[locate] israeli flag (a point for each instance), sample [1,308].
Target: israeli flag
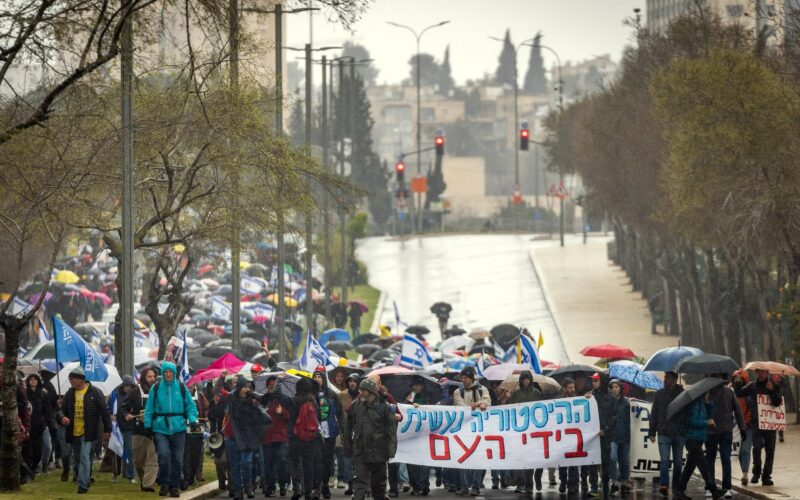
[115,442]
[44,335]
[479,366]
[259,309]
[141,340]
[527,355]
[414,353]
[19,307]
[220,309]
[397,320]
[184,361]
[315,354]
[250,286]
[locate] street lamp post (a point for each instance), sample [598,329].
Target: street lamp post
[419,119]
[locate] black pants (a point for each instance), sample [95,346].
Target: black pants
[569,476]
[369,476]
[695,458]
[419,476]
[221,464]
[192,457]
[763,440]
[32,450]
[393,480]
[305,466]
[525,478]
[328,454]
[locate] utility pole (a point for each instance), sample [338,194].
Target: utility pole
[236,281]
[327,197]
[124,335]
[279,132]
[345,106]
[308,216]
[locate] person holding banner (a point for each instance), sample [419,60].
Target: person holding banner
[330,416]
[669,431]
[621,445]
[569,475]
[763,439]
[606,410]
[419,475]
[527,392]
[475,396]
[370,437]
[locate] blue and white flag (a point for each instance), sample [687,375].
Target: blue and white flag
[259,309]
[250,286]
[527,354]
[44,335]
[220,309]
[315,354]
[19,307]
[397,321]
[70,347]
[479,366]
[141,340]
[115,442]
[414,353]
[184,361]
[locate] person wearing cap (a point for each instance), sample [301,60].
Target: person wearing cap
[419,475]
[621,442]
[762,439]
[82,413]
[346,398]
[476,397]
[330,418]
[126,421]
[370,437]
[169,407]
[670,437]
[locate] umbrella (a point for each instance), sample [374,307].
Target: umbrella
[503,370]
[383,353]
[455,343]
[442,308]
[334,335]
[691,393]
[548,385]
[399,386]
[632,372]
[453,331]
[390,370]
[35,297]
[418,330]
[479,334]
[706,364]
[44,350]
[361,305]
[141,356]
[572,370]
[367,349]
[339,346]
[61,382]
[221,343]
[773,368]
[666,359]
[105,299]
[290,302]
[205,338]
[216,351]
[66,277]
[505,334]
[365,338]
[211,283]
[611,351]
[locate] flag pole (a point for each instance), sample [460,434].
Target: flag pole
[55,346]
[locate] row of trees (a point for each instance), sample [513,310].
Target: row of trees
[692,152]
[207,157]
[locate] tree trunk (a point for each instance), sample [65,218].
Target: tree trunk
[716,304]
[10,450]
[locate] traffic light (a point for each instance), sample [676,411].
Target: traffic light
[524,136]
[439,143]
[400,170]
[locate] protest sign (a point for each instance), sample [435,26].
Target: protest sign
[560,432]
[770,418]
[644,454]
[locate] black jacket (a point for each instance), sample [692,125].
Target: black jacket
[95,413]
[727,412]
[249,421]
[607,410]
[41,414]
[128,404]
[659,423]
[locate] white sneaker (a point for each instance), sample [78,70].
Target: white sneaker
[728,494]
[708,494]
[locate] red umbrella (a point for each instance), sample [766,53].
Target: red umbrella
[611,351]
[360,305]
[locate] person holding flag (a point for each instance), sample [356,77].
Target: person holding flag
[122,426]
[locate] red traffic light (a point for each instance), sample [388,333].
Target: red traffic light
[439,140]
[400,167]
[524,133]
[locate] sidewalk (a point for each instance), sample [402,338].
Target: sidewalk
[593,303]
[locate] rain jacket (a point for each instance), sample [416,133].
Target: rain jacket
[622,420]
[606,409]
[525,394]
[249,421]
[659,423]
[95,413]
[329,408]
[370,431]
[697,417]
[172,400]
[41,416]
[476,393]
[726,409]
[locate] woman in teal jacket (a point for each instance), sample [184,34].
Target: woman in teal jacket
[697,422]
[169,407]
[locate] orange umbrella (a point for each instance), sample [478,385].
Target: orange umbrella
[773,367]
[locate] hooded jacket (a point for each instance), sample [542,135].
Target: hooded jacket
[41,415]
[622,419]
[370,433]
[329,408]
[606,409]
[249,420]
[523,394]
[697,415]
[167,403]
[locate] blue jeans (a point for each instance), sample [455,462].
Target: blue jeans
[169,448]
[344,466]
[723,442]
[471,478]
[128,468]
[241,464]
[82,455]
[276,463]
[620,461]
[667,445]
[745,451]
[66,448]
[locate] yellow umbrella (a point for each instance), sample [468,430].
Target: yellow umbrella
[299,373]
[243,264]
[66,277]
[179,248]
[290,302]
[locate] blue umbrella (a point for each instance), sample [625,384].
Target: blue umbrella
[665,360]
[632,372]
[334,334]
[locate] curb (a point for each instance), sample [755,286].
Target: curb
[209,490]
[772,495]
[551,307]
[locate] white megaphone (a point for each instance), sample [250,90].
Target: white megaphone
[215,440]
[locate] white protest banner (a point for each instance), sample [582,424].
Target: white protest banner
[560,432]
[770,418]
[644,454]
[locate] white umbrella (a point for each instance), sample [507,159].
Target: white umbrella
[456,343]
[111,383]
[141,355]
[503,370]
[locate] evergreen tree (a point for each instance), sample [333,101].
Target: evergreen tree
[446,84]
[535,79]
[367,72]
[507,62]
[430,72]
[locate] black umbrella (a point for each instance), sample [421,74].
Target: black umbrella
[215,352]
[221,343]
[383,353]
[418,330]
[365,338]
[339,346]
[706,364]
[399,386]
[453,331]
[505,334]
[572,370]
[367,349]
[691,393]
[442,308]
[205,338]
[196,331]
[397,346]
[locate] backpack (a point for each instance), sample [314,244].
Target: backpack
[478,389]
[156,413]
[306,426]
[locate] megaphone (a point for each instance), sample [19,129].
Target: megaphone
[215,440]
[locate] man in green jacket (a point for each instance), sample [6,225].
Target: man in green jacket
[370,437]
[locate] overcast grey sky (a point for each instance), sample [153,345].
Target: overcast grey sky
[576,29]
